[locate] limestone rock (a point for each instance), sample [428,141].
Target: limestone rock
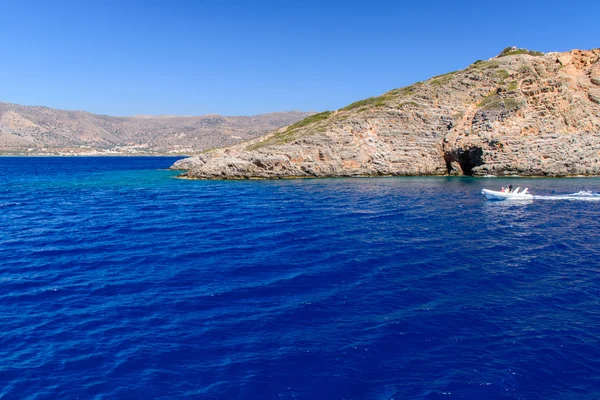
[521,113]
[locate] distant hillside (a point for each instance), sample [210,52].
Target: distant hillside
[43,130]
[520,113]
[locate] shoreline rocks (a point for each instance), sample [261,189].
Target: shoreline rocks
[521,113]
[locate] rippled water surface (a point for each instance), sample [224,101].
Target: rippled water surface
[118,281]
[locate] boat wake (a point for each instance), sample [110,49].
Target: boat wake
[579,196]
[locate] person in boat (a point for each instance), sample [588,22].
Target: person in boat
[503,189]
[510,188]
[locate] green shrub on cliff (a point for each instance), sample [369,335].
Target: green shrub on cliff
[525,70]
[495,101]
[377,101]
[511,51]
[310,120]
[512,86]
[480,65]
[408,104]
[502,74]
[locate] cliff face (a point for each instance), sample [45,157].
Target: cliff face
[521,113]
[46,130]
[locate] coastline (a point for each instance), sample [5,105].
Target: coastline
[279,178]
[97,155]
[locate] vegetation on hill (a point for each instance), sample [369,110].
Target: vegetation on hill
[511,51]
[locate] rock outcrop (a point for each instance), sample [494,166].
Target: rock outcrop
[520,113]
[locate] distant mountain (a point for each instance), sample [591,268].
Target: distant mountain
[43,130]
[519,113]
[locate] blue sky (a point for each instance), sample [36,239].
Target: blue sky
[249,57]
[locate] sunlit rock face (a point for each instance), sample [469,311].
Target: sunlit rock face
[520,113]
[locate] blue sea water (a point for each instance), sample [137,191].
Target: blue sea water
[118,281]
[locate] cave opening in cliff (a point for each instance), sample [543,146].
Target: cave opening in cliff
[470,159]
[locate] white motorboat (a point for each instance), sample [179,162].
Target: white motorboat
[516,194]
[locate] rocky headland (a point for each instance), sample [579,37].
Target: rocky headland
[43,130]
[520,113]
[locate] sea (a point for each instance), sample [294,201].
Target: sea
[119,281]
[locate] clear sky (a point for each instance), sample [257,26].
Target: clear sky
[246,57]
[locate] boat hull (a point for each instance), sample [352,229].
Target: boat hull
[500,196]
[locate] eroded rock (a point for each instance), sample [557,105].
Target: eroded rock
[519,114]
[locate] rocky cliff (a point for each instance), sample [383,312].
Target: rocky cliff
[35,130]
[520,113]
